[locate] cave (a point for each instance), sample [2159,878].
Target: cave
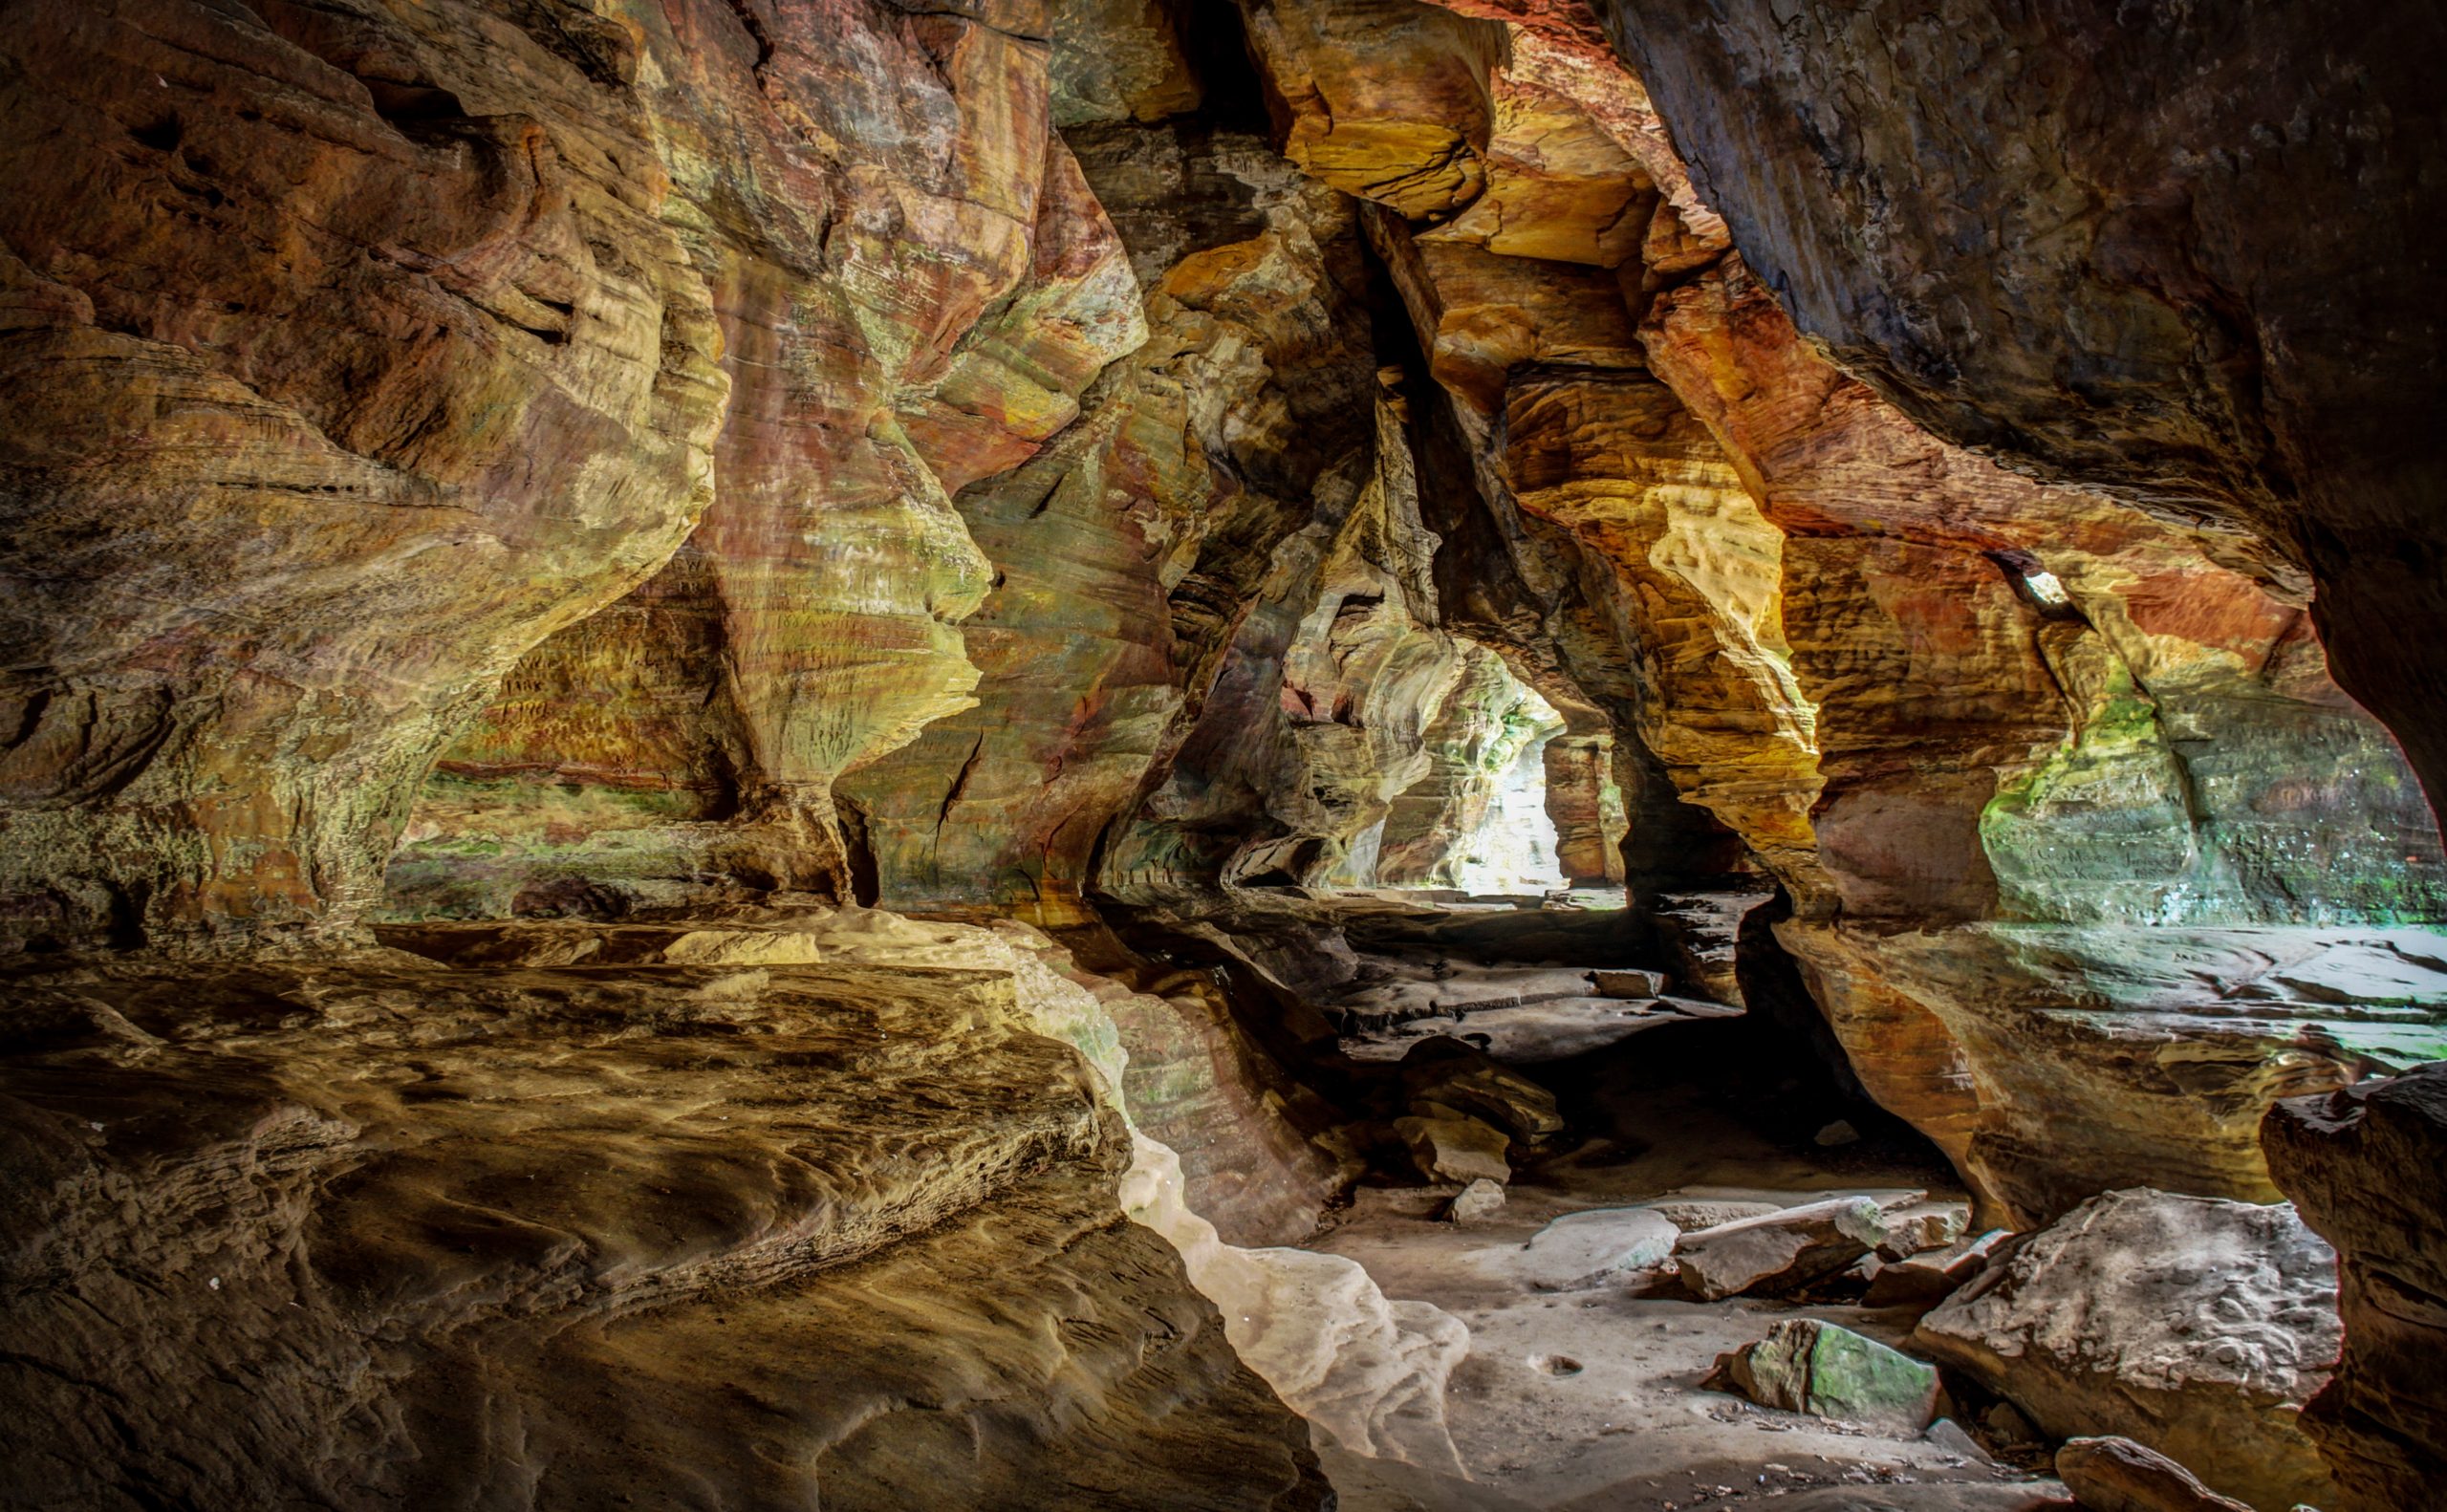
[1410,755]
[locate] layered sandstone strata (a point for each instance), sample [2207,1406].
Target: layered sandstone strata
[379,1228]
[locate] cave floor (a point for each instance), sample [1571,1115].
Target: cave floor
[1590,1399]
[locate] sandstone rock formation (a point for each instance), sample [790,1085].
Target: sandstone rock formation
[322,1231]
[2138,322]
[598,490]
[2358,1163]
[2195,1325]
[1779,1251]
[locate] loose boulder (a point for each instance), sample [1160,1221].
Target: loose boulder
[1922,1226]
[1925,1280]
[1478,1203]
[1505,1099]
[2195,1326]
[1807,1366]
[1780,1251]
[1448,1146]
[2117,1475]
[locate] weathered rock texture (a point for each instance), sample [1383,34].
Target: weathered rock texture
[1923,691]
[2083,274]
[2117,1475]
[351,352]
[320,1233]
[2361,1165]
[2193,1325]
[660,464]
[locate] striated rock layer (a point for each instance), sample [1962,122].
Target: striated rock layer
[1998,741]
[2084,276]
[377,1230]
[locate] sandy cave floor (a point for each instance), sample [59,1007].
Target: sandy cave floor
[1590,1400]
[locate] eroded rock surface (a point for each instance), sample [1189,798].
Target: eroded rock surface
[326,1228]
[2195,1325]
[2357,1163]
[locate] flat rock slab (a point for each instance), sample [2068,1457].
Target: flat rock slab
[1533,1034]
[1582,1250]
[2029,1496]
[1780,1251]
[1807,1365]
[2195,1326]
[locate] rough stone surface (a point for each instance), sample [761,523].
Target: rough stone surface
[315,1231]
[2117,1475]
[2084,276]
[2195,1325]
[1582,1250]
[1449,1146]
[1479,1202]
[2359,1165]
[1779,1251]
[1926,1279]
[1806,1366]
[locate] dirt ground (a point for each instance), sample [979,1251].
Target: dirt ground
[1589,1400]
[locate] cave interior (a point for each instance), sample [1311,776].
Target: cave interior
[1418,755]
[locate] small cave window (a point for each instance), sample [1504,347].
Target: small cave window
[1512,849]
[2034,582]
[1513,802]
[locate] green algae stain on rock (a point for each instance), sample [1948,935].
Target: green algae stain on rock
[1806,1366]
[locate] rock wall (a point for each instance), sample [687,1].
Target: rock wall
[2085,277]
[353,353]
[1993,736]
[2344,1157]
[663,462]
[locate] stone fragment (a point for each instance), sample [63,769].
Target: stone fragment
[1478,1203]
[1927,1279]
[1922,1226]
[1582,1250]
[1455,1148]
[1837,1133]
[2363,1166]
[1955,1439]
[2117,1475]
[1807,1365]
[1627,984]
[1780,1251]
[2194,1324]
